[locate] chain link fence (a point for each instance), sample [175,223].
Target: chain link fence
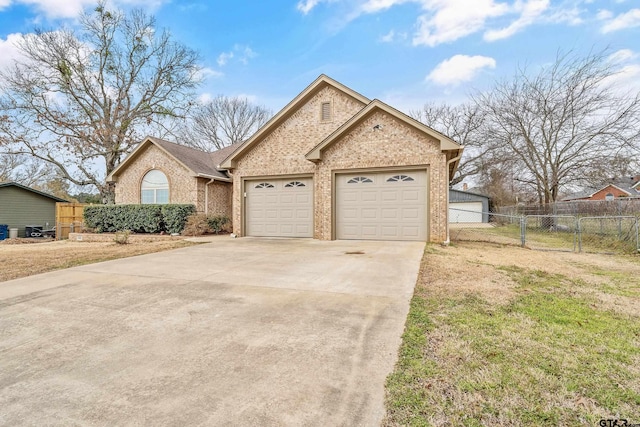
[494,228]
[608,234]
[570,233]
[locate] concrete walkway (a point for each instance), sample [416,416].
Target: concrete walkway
[232,332]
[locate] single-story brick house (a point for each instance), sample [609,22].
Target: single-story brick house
[625,187]
[159,171]
[332,164]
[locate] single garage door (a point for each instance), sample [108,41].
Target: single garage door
[279,207]
[382,206]
[467,212]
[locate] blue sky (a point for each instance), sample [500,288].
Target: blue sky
[404,52]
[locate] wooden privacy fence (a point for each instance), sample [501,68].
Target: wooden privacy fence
[69,219]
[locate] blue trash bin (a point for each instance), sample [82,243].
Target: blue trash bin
[4,231]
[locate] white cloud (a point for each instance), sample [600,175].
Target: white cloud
[449,20]
[206,73]
[9,50]
[246,53]
[624,20]
[459,68]
[65,9]
[626,77]
[305,6]
[529,13]
[59,8]
[621,56]
[388,38]
[223,58]
[604,14]
[204,98]
[373,6]
[570,16]
[251,98]
[242,53]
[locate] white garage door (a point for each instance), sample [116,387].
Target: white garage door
[382,206]
[279,207]
[465,212]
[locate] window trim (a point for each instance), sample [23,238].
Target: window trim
[360,180]
[264,185]
[400,178]
[155,190]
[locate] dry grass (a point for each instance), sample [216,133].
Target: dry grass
[499,335]
[21,260]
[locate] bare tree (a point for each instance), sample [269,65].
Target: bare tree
[557,124]
[80,100]
[620,166]
[221,122]
[25,170]
[464,124]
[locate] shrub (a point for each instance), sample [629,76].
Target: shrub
[217,223]
[199,224]
[196,225]
[122,237]
[137,218]
[175,217]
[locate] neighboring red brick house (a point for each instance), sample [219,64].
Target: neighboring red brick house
[618,188]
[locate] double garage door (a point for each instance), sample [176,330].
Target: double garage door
[370,206]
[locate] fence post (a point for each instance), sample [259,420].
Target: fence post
[580,235]
[523,231]
[637,241]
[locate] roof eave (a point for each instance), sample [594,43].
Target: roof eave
[215,178]
[112,177]
[33,190]
[145,142]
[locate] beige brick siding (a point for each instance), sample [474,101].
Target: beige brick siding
[282,151]
[395,145]
[220,199]
[183,186]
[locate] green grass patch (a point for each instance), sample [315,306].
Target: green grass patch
[550,356]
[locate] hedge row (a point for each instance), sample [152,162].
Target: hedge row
[137,218]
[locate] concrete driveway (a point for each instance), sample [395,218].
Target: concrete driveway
[234,332]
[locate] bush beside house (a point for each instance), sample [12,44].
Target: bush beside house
[138,218]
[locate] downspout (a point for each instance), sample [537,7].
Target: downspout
[206,196]
[455,159]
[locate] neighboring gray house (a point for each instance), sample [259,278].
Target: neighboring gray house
[21,206]
[468,207]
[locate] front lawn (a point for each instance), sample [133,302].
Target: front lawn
[498,335]
[21,260]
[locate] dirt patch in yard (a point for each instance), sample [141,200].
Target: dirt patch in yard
[473,270]
[21,260]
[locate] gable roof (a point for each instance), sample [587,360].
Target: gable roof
[198,162]
[321,82]
[626,185]
[33,190]
[447,144]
